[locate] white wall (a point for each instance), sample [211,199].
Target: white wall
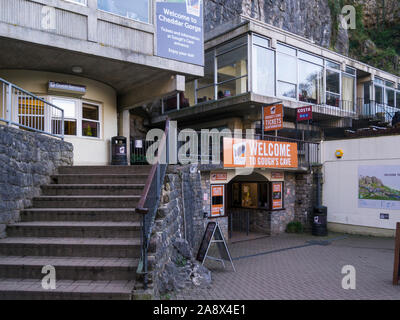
[340,187]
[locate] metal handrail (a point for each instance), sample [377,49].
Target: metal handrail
[49,121]
[149,201]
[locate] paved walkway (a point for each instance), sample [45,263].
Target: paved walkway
[291,267]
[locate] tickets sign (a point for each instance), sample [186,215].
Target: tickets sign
[273,117]
[247,153]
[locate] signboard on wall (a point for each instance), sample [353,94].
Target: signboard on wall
[217,200]
[247,153]
[219,176]
[379,187]
[304,113]
[277,195]
[180,30]
[273,117]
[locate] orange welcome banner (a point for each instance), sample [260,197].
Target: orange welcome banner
[259,154]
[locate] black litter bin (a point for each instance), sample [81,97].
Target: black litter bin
[320,221]
[119,153]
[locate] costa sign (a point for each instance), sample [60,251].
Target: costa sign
[304,113]
[259,154]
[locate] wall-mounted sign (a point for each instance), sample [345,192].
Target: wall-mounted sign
[219,176]
[273,117]
[277,195]
[248,153]
[180,30]
[379,187]
[277,175]
[66,88]
[304,113]
[217,200]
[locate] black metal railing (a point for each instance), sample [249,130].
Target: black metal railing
[150,200]
[370,109]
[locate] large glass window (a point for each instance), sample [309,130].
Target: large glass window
[263,70]
[348,83]
[132,9]
[390,97]
[205,85]
[310,82]
[232,72]
[378,94]
[398,99]
[90,120]
[287,75]
[70,115]
[286,90]
[333,88]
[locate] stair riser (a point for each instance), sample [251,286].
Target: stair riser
[69,273]
[100,179]
[86,203]
[73,232]
[53,191]
[79,216]
[58,250]
[105,170]
[49,295]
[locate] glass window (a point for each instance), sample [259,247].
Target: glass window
[333,99]
[350,70]
[285,49]
[261,42]
[310,82]
[132,9]
[70,115]
[389,84]
[348,92]
[378,94]
[398,100]
[311,58]
[232,44]
[287,68]
[205,85]
[379,81]
[249,195]
[390,97]
[286,90]
[78,1]
[263,71]
[232,72]
[332,65]
[332,81]
[90,120]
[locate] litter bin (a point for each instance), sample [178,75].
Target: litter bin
[320,221]
[119,151]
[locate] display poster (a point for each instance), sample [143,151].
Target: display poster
[277,195]
[379,187]
[217,200]
[273,117]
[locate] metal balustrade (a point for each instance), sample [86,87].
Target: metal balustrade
[23,109]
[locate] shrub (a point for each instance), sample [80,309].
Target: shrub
[294,227]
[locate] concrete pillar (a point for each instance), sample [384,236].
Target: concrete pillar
[124,124]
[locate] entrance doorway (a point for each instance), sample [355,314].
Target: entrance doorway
[249,203]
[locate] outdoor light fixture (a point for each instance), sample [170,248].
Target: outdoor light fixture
[77,69]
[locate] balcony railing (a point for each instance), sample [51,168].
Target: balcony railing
[25,110]
[370,109]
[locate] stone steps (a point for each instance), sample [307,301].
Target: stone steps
[31,289]
[86,201]
[86,226]
[100,178]
[71,247]
[68,229]
[93,189]
[79,214]
[71,268]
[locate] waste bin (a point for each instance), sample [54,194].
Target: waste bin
[119,151]
[320,221]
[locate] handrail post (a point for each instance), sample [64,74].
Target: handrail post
[62,125]
[9,104]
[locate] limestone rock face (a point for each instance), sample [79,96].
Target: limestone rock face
[307,18]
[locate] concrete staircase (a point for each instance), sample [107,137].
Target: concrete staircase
[85,225]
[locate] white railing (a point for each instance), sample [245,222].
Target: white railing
[23,109]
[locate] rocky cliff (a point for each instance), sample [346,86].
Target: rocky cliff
[375,40]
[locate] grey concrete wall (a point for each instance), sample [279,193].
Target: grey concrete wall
[27,160]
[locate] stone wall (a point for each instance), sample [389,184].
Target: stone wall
[27,160]
[178,230]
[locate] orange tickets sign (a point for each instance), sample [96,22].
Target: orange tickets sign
[248,153]
[273,117]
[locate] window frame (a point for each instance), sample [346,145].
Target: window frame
[79,116]
[78,3]
[150,13]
